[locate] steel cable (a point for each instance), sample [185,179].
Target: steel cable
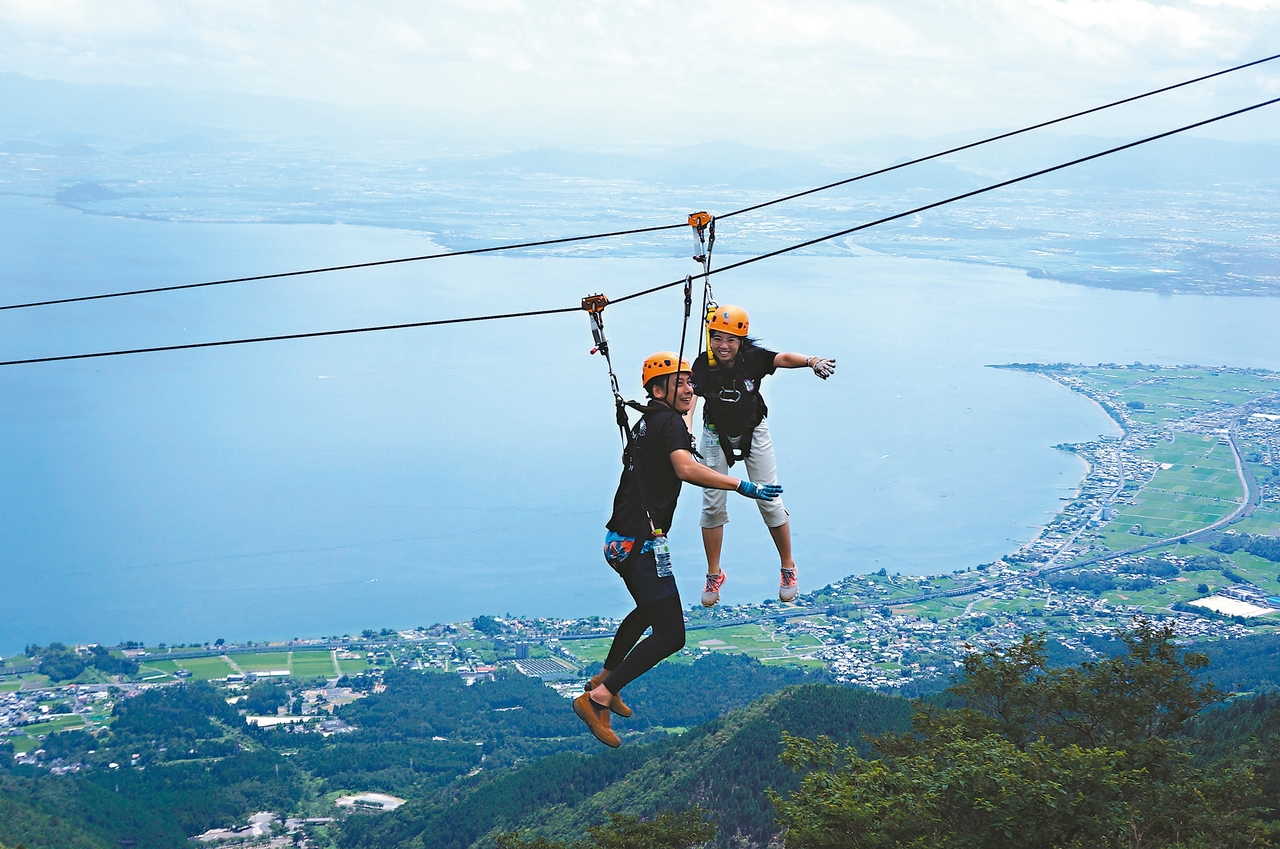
[997,138]
[187,346]
[659,288]
[636,231]
[349,267]
[953,199]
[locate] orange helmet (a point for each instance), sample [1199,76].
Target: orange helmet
[727,318]
[663,362]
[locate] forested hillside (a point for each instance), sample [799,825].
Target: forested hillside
[1133,751]
[428,736]
[1137,732]
[726,766]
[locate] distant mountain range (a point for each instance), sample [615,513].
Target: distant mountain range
[1181,214]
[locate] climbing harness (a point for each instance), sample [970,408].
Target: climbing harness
[723,387]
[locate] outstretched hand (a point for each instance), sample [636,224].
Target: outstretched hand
[823,367]
[760,492]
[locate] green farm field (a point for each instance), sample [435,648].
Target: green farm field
[1194,389]
[801,662]
[1167,396]
[206,668]
[263,661]
[940,608]
[157,671]
[23,743]
[311,664]
[1196,486]
[589,651]
[1265,520]
[1160,599]
[52,726]
[352,665]
[762,642]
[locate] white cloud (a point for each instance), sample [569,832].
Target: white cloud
[757,70]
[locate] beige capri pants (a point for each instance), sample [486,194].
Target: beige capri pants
[761,468]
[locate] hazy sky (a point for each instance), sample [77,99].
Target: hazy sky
[789,74]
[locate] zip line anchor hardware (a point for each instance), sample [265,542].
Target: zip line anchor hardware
[700,221]
[594,306]
[704,230]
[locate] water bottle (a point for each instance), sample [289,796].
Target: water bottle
[662,555]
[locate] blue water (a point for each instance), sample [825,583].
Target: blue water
[399,479]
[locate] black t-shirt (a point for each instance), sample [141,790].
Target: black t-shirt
[654,437]
[733,402]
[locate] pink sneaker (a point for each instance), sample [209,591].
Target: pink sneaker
[711,592]
[788,587]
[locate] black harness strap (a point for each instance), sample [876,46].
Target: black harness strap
[722,390]
[594,305]
[731,454]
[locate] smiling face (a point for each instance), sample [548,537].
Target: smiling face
[725,346]
[682,401]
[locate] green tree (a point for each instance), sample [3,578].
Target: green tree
[487,625]
[60,663]
[669,830]
[265,696]
[110,664]
[1088,756]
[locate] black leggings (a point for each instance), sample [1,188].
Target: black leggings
[627,661]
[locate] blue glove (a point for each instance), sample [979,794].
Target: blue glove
[765,492]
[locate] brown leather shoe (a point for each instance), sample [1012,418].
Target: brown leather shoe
[615,704]
[597,719]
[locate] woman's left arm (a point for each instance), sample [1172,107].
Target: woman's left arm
[688,417]
[823,367]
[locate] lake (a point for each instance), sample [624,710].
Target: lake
[397,479]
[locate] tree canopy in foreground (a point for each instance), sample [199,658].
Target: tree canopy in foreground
[1089,756]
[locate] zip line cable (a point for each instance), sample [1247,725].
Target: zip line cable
[659,288]
[286,336]
[654,229]
[955,198]
[999,137]
[349,267]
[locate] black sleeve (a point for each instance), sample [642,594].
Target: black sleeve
[670,434]
[761,362]
[699,376]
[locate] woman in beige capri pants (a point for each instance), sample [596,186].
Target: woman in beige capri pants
[728,379]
